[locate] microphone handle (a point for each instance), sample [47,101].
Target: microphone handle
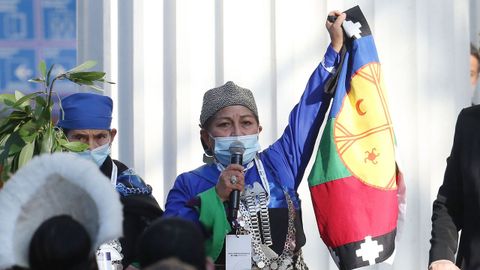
[235,194]
[234,204]
[236,159]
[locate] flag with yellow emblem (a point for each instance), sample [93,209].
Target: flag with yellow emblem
[354,181]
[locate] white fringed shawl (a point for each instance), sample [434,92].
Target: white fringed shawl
[51,185]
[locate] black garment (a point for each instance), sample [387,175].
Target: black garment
[138,212]
[457,206]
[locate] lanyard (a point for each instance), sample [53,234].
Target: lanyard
[263,177]
[113,176]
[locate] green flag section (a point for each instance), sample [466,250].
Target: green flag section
[354,180]
[331,168]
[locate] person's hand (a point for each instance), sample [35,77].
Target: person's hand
[443,265]
[335,30]
[226,181]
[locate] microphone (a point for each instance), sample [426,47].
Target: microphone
[236,150]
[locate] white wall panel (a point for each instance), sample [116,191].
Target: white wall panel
[195,54]
[248,54]
[474,22]
[271,46]
[154,97]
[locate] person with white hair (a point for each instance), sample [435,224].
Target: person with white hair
[55,212]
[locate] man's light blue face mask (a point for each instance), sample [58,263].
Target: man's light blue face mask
[222,148]
[97,155]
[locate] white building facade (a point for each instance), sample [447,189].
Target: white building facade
[165,54]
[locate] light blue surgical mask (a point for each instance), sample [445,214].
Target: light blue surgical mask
[222,145]
[97,155]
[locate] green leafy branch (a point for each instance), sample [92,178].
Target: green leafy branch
[28,130]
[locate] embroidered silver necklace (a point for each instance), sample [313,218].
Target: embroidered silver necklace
[255,200]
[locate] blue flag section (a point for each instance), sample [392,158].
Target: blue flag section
[354,180]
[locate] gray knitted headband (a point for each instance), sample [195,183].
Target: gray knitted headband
[223,96]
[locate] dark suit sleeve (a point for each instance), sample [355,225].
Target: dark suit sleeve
[448,207]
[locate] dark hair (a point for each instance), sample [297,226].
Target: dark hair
[61,243]
[474,52]
[170,264]
[65,131]
[172,238]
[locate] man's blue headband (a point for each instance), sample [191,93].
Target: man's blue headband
[86,111]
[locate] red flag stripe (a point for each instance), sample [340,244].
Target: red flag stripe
[371,211]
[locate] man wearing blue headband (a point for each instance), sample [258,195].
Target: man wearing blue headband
[87,118]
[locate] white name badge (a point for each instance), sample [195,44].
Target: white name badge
[238,252]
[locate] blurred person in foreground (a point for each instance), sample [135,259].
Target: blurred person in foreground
[56,211]
[457,206]
[173,238]
[63,243]
[170,264]
[474,71]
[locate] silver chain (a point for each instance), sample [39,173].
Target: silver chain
[263,257]
[265,219]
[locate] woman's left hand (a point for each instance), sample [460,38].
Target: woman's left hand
[225,183]
[335,29]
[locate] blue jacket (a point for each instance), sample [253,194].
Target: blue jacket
[285,160]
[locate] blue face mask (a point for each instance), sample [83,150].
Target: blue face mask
[97,155]
[222,145]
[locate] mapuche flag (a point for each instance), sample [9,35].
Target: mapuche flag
[354,180]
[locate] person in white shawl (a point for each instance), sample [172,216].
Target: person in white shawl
[56,186]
